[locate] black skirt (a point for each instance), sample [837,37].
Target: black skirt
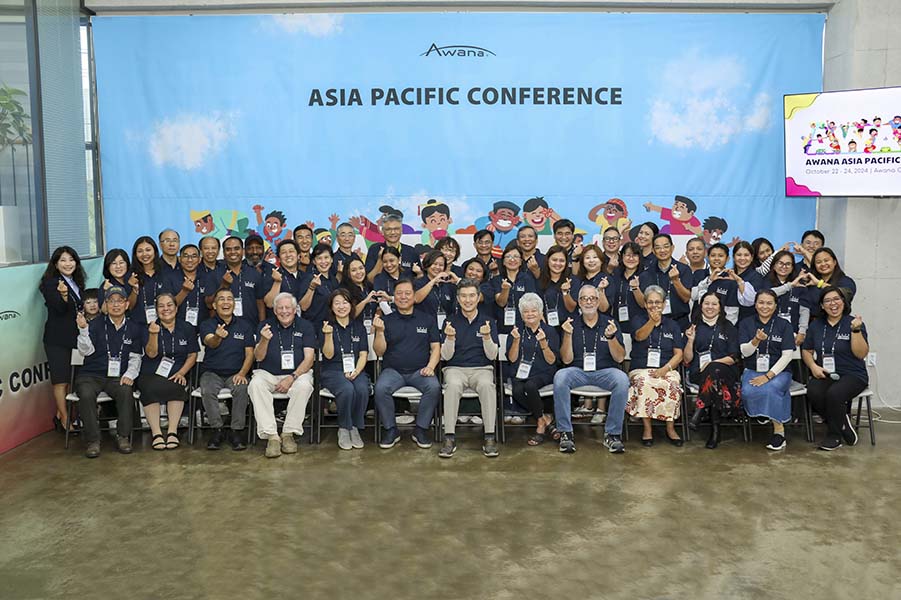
[159,390]
[60,360]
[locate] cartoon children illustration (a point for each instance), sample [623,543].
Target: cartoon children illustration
[538,214]
[896,123]
[371,232]
[435,219]
[273,228]
[502,220]
[714,228]
[322,235]
[221,223]
[682,219]
[612,213]
[870,145]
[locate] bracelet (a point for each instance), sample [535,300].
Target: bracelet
[820,283]
[610,337]
[855,330]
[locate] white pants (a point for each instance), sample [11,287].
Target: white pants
[260,389]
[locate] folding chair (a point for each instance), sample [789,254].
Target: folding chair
[505,387]
[76,361]
[414,396]
[866,396]
[196,404]
[321,394]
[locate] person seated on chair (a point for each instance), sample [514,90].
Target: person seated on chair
[345,350]
[593,345]
[767,343]
[656,388]
[409,343]
[112,349]
[834,350]
[170,351]
[672,277]
[711,355]
[469,350]
[285,352]
[532,355]
[226,364]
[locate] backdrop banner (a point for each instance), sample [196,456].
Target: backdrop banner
[229,125]
[26,400]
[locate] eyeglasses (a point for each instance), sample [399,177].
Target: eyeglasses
[169,241]
[612,239]
[654,302]
[664,247]
[832,300]
[115,301]
[588,298]
[191,256]
[785,264]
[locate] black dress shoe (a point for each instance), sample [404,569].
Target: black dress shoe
[647,443]
[677,442]
[714,439]
[237,440]
[216,441]
[696,419]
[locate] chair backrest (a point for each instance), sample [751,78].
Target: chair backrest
[77,359]
[502,347]
[201,353]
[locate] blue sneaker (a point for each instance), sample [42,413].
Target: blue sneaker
[390,437]
[422,438]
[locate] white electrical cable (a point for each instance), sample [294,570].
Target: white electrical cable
[875,387]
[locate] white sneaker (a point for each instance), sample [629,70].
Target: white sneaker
[405,419]
[599,418]
[344,439]
[463,419]
[355,439]
[517,420]
[508,419]
[475,420]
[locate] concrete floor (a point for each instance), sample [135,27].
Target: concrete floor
[738,522]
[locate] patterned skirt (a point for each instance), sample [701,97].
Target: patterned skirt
[719,388]
[654,397]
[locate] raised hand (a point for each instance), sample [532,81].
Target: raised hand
[333,219]
[760,336]
[506,285]
[378,324]
[133,280]
[856,322]
[690,333]
[567,326]
[81,321]
[566,286]
[417,270]
[449,330]
[656,315]
[316,282]
[327,328]
[514,333]
[227,279]
[603,283]
[277,276]
[266,332]
[673,272]
[153,328]
[647,206]
[541,335]
[221,331]
[62,289]
[633,283]
[485,330]
[610,330]
[107,284]
[188,284]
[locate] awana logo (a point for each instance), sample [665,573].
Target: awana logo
[6,315]
[461,51]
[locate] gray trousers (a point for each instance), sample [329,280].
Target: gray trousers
[87,387]
[210,384]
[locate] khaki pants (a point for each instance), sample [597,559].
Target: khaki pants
[477,379]
[261,387]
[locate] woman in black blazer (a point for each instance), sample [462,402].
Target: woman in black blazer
[62,286]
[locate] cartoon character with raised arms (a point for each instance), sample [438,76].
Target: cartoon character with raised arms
[273,228]
[682,219]
[435,219]
[221,223]
[538,214]
[612,213]
[714,228]
[503,221]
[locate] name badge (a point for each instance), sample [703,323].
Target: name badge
[348,363]
[589,363]
[150,311]
[191,316]
[553,318]
[763,362]
[239,306]
[704,359]
[367,323]
[288,360]
[829,363]
[113,366]
[509,316]
[623,313]
[667,308]
[166,364]
[441,319]
[654,358]
[385,308]
[522,372]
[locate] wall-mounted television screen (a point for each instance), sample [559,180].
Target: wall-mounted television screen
[843,143]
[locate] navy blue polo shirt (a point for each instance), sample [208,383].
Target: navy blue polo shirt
[384,283]
[228,357]
[176,344]
[468,346]
[196,298]
[780,337]
[122,342]
[539,257]
[168,270]
[148,290]
[788,305]
[408,340]
[443,295]
[826,339]
[654,276]
[553,300]
[619,294]
[648,261]
[812,296]
[530,350]
[579,282]
[247,285]
[264,268]
[293,338]
[591,339]
[457,270]
[318,309]
[721,341]
[665,337]
[295,284]
[408,257]
[346,340]
[203,270]
[752,277]
[699,276]
[524,283]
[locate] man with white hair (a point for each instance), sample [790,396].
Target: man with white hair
[285,353]
[593,345]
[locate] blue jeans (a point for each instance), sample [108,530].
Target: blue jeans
[390,381]
[352,397]
[611,379]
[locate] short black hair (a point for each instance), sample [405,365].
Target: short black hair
[533,203]
[815,233]
[434,206]
[714,223]
[561,223]
[482,233]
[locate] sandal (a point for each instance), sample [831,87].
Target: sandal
[159,442]
[172,444]
[552,431]
[536,439]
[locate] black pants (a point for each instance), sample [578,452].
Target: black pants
[832,399]
[525,393]
[87,387]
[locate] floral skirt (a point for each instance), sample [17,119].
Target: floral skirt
[654,397]
[720,389]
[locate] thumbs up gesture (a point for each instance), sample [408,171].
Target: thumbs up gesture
[485,330]
[221,331]
[449,330]
[567,326]
[327,329]
[153,328]
[266,332]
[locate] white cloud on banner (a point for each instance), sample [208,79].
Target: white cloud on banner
[705,101]
[187,141]
[316,25]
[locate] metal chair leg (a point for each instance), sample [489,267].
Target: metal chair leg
[870,421]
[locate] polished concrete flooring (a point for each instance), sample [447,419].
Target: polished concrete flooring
[663,522]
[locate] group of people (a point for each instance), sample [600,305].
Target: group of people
[562,319]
